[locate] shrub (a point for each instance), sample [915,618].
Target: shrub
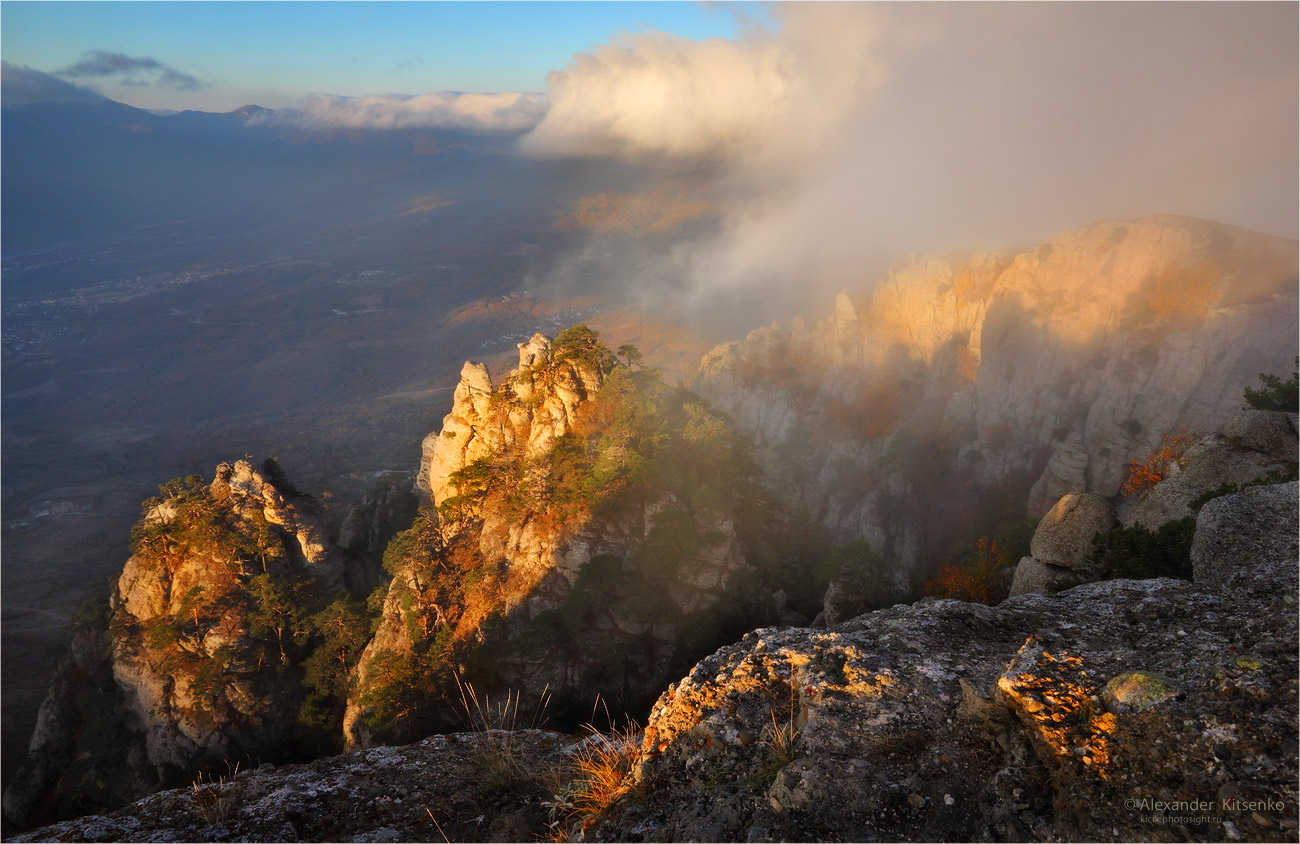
[1138,552]
[1155,468]
[982,580]
[1277,394]
[582,345]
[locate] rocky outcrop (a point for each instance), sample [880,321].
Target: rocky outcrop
[1043,373]
[1247,447]
[193,591]
[1123,710]
[1101,713]
[461,787]
[537,404]
[527,578]
[1252,447]
[199,658]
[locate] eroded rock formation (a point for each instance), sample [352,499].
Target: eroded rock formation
[578,540]
[1046,371]
[199,658]
[1123,710]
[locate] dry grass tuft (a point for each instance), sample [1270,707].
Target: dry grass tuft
[213,798]
[780,738]
[497,756]
[600,773]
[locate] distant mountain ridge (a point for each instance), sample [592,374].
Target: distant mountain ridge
[84,166]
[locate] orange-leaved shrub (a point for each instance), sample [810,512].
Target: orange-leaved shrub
[1155,468]
[982,580]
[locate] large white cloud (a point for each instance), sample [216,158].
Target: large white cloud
[659,95]
[508,112]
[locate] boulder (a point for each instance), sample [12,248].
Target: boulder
[1272,434]
[1033,576]
[1244,531]
[1064,535]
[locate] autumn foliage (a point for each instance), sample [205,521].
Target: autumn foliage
[1155,468]
[982,580]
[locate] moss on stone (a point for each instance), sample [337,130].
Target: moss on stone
[1134,691]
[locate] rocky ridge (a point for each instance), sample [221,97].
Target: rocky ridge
[1047,371]
[1251,447]
[1155,710]
[1046,717]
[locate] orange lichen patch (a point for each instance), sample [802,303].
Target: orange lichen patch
[658,211]
[1056,696]
[425,202]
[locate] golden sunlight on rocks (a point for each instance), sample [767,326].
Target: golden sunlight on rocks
[1058,697]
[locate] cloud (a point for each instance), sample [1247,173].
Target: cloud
[508,113]
[856,134]
[653,94]
[101,64]
[20,84]
[172,78]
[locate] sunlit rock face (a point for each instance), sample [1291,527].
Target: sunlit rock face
[1048,370]
[1038,719]
[531,614]
[178,674]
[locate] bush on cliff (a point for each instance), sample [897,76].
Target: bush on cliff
[1139,552]
[1276,393]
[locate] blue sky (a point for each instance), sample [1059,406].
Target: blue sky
[273,53]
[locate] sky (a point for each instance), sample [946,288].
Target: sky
[227,54]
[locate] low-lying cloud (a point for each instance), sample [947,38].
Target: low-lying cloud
[134,71]
[505,113]
[858,133]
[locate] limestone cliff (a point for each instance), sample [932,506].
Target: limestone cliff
[1043,373]
[200,658]
[583,532]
